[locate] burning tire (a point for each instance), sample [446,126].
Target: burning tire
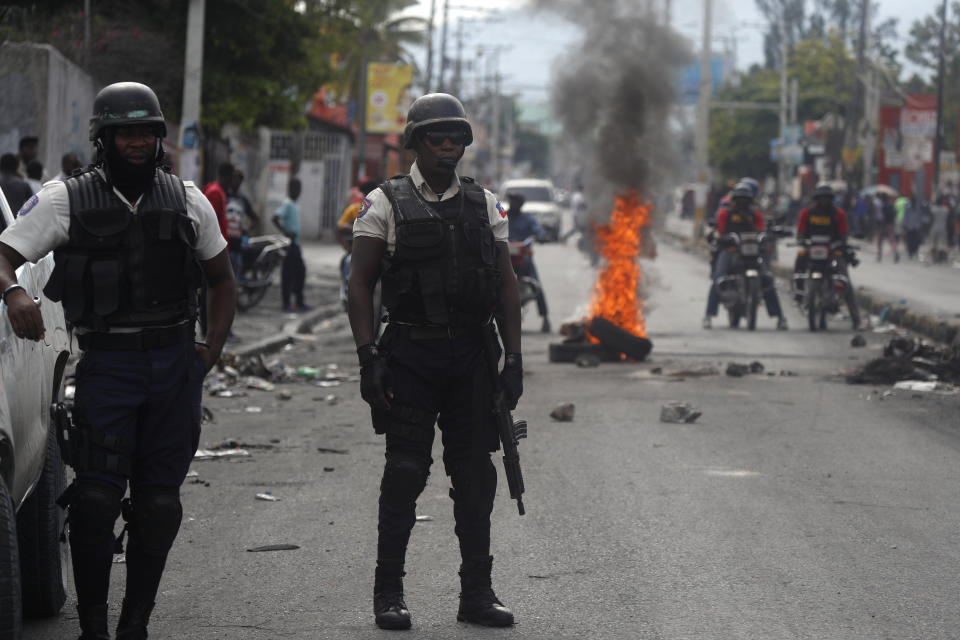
[619,341]
[572,351]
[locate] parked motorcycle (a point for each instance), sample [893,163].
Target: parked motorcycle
[825,284]
[262,255]
[521,254]
[741,290]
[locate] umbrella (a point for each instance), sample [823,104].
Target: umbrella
[877,189]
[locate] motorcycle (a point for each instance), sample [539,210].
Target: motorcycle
[825,284]
[521,255]
[261,256]
[741,290]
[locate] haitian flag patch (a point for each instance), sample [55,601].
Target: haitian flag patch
[503,214]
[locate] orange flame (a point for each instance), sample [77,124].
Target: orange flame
[621,243]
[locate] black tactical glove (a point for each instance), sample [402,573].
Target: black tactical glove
[376,382]
[512,378]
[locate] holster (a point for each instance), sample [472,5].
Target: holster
[88,450]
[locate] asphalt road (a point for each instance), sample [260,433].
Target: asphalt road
[795,507]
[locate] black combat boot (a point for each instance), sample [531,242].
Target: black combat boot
[93,622]
[478,602]
[388,605]
[134,617]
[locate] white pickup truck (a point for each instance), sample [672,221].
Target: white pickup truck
[33,556]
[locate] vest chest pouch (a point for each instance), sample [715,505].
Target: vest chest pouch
[420,239]
[101,228]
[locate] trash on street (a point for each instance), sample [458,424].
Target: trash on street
[858,341]
[253,409]
[274,547]
[679,412]
[563,412]
[266,496]
[253,382]
[284,394]
[424,518]
[329,450]
[210,454]
[916,385]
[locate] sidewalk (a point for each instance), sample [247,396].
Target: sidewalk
[923,297]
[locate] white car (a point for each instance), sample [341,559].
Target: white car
[33,558]
[539,202]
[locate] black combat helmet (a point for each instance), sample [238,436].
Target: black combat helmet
[124,103]
[435,108]
[742,190]
[823,190]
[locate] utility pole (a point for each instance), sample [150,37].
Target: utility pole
[794,95]
[782,164]
[362,121]
[86,35]
[189,140]
[667,18]
[443,47]
[457,77]
[938,136]
[496,120]
[428,85]
[701,139]
[869,100]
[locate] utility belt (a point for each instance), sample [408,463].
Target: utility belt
[138,341]
[433,331]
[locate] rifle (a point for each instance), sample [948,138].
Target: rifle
[509,430]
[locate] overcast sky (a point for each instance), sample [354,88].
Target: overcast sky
[527,47]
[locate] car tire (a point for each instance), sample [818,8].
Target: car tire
[44,554]
[10,609]
[618,340]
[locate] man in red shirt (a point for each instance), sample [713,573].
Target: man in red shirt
[741,216]
[216,193]
[824,219]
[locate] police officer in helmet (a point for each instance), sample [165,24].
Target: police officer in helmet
[442,242]
[131,245]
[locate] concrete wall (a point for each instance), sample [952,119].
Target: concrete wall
[45,95]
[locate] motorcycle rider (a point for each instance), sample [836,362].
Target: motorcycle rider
[741,217]
[825,218]
[522,226]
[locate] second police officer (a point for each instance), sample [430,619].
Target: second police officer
[439,243]
[131,244]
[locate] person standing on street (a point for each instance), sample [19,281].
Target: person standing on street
[69,163]
[15,188]
[522,226]
[131,244]
[294,272]
[888,227]
[216,193]
[442,242]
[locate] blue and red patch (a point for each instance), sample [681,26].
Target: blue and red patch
[27,206]
[364,207]
[503,214]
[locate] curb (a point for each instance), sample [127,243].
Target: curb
[288,331]
[926,325]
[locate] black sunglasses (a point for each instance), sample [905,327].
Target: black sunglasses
[437,136]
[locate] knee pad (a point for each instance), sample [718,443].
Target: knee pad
[94,509]
[404,477]
[155,519]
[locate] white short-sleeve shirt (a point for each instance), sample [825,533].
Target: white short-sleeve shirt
[43,222]
[376,213]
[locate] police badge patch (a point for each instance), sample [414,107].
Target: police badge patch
[27,206]
[364,207]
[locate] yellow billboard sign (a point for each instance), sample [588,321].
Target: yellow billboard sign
[389,96]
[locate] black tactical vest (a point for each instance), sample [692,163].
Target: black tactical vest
[123,269]
[739,221]
[820,221]
[444,269]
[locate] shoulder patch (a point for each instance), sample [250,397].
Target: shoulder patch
[503,214]
[28,205]
[364,207]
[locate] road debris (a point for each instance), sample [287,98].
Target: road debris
[563,412]
[266,496]
[738,370]
[702,372]
[210,454]
[329,450]
[679,412]
[858,341]
[916,385]
[274,547]
[285,394]
[253,409]
[424,518]
[254,382]
[906,358]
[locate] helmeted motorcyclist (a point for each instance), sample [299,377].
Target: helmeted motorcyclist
[522,226]
[741,217]
[824,218]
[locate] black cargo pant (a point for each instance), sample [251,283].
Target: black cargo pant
[436,381]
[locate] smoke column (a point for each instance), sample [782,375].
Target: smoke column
[614,94]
